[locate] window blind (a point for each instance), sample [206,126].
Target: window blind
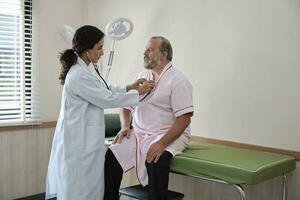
[18,95]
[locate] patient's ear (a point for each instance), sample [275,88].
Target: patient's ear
[165,55]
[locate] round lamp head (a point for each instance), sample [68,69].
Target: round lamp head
[119,28]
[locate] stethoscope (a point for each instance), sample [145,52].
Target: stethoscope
[97,71]
[144,97]
[155,86]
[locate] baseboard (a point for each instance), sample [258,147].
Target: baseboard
[295,154]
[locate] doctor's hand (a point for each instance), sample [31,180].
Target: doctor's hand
[146,87]
[155,151]
[124,132]
[136,84]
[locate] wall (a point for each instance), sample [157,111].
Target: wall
[51,16]
[24,156]
[242,58]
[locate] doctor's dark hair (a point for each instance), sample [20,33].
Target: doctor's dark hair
[165,46]
[85,38]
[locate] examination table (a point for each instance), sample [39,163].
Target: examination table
[220,163]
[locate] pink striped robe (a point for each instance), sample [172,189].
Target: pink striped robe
[153,116]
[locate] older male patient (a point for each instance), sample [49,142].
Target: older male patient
[160,126]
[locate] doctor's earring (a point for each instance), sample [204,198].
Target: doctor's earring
[88,55]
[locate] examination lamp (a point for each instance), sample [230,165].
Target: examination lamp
[117,29]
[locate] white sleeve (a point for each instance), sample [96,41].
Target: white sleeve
[94,91]
[118,88]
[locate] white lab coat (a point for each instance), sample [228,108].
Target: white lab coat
[76,165]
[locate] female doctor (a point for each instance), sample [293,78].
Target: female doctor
[76,165]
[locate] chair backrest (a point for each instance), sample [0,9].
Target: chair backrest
[112,124]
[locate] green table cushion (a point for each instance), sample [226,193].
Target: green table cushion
[233,165]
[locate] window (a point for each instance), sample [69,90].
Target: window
[18,99]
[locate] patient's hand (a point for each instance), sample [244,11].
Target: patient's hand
[155,151]
[124,132]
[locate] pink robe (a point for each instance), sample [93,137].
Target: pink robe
[152,118]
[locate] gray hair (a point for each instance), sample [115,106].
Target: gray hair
[165,46]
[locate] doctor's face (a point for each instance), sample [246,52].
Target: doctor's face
[96,52]
[152,54]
